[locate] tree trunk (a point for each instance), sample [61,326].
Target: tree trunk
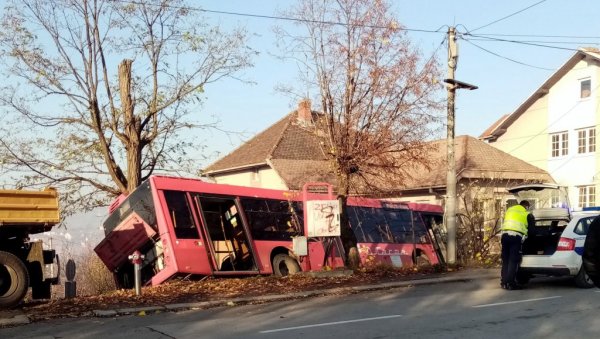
[347,234]
[132,127]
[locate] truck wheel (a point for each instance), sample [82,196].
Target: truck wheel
[14,280]
[582,280]
[284,265]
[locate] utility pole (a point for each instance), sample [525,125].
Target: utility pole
[452,86]
[451,176]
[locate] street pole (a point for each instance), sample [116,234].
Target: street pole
[451,177]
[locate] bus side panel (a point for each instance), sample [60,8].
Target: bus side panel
[396,255]
[313,262]
[181,255]
[264,249]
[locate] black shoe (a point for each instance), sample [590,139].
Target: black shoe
[503,285]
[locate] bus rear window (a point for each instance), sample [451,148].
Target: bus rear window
[139,201]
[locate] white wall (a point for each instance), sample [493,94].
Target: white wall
[264,177]
[561,110]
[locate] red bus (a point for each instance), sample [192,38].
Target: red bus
[394,233]
[189,226]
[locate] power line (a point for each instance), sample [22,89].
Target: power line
[336,23]
[540,36]
[520,42]
[275,17]
[507,58]
[508,16]
[580,43]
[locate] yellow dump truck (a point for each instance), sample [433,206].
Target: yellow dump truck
[22,261]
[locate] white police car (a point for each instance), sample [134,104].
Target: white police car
[555,246]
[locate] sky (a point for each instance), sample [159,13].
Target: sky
[503,84]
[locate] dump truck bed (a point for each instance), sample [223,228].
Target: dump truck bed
[37,210]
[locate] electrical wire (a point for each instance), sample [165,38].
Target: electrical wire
[545,129]
[519,42]
[275,17]
[539,36]
[507,58]
[508,16]
[580,43]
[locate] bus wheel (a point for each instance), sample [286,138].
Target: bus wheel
[422,260]
[284,265]
[14,280]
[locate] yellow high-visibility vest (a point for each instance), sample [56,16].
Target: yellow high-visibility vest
[515,219]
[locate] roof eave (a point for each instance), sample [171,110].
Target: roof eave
[540,92]
[236,169]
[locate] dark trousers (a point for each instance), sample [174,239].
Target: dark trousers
[511,257]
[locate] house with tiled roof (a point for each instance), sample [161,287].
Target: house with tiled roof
[555,127]
[288,154]
[284,156]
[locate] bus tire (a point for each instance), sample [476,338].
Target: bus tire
[284,265]
[14,280]
[422,260]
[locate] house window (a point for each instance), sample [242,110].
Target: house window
[586,140]
[586,88]
[560,144]
[587,196]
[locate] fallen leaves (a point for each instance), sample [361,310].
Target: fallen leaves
[210,289]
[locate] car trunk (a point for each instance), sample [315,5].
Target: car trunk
[550,207]
[544,238]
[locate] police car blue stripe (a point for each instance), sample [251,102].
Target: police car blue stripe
[579,250]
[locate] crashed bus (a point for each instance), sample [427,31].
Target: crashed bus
[192,227]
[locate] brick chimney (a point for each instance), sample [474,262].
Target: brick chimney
[304,112]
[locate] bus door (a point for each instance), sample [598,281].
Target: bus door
[230,247]
[434,223]
[190,251]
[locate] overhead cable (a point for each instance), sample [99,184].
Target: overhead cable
[508,16]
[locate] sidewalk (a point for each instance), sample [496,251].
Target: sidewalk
[15,318]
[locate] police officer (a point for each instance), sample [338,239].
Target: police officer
[514,231]
[591,252]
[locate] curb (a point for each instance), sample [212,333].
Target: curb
[142,311]
[22,319]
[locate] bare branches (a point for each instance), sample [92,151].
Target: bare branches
[373,87]
[98,127]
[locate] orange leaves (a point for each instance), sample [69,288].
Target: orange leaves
[209,289]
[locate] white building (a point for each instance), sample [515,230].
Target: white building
[555,128]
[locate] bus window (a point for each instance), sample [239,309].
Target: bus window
[272,219]
[181,215]
[407,227]
[369,225]
[140,202]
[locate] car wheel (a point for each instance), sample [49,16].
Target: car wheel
[582,280]
[284,265]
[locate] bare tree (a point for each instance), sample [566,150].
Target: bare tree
[101,91]
[374,88]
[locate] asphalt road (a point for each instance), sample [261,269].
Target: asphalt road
[549,308]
